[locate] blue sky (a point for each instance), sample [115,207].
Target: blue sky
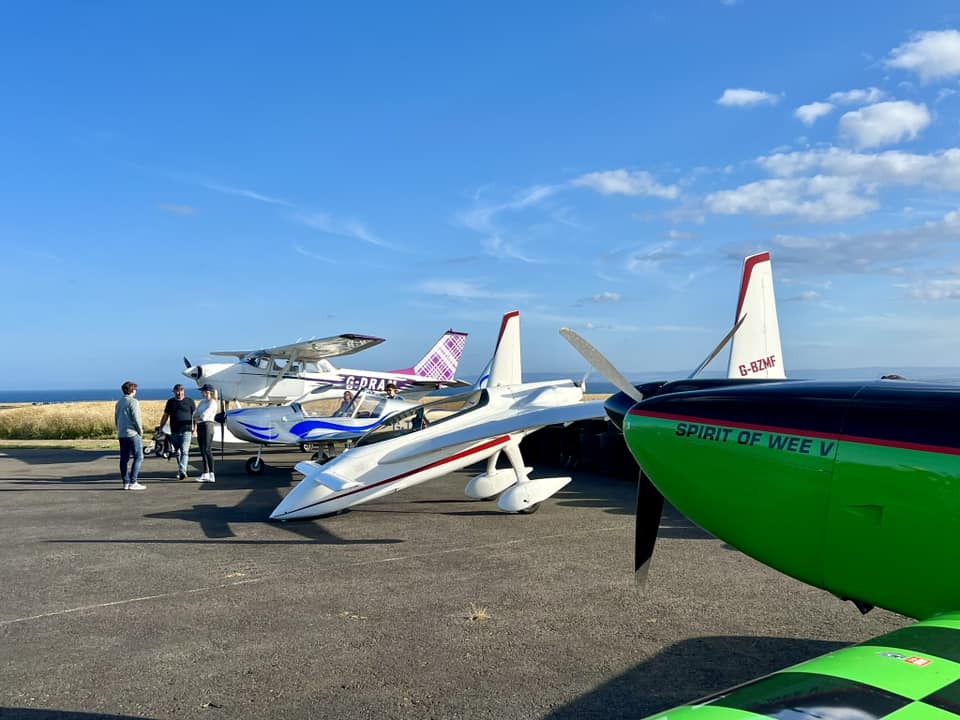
[180,178]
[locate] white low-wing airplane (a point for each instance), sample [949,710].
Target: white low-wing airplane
[436,438]
[292,372]
[299,424]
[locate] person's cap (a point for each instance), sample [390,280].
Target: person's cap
[208,388]
[178,386]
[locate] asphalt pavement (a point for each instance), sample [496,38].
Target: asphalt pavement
[183,600]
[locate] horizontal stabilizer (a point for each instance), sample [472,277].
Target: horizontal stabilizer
[523,496]
[314,471]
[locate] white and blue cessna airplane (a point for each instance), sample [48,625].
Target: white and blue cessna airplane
[298,423]
[292,372]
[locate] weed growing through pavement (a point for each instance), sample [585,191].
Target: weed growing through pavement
[478,614]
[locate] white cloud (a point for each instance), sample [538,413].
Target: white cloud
[623,182]
[482,218]
[467,290]
[496,246]
[820,198]
[933,290]
[809,114]
[884,123]
[341,227]
[650,259]
[249,194]
[940,171]
[865,96]
[741,97]
[603,298]
[887,252]
[310,254]
[932,54]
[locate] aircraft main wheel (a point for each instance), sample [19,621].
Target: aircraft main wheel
[530,510]
[254,466]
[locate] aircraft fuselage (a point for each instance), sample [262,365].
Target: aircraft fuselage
[851,487]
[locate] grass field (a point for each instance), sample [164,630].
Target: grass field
[78,425]
[68,421]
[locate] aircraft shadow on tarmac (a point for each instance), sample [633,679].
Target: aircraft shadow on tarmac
[14,713]
[58,456]
[215,520]
[688,670]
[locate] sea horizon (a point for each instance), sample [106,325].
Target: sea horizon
[595,384]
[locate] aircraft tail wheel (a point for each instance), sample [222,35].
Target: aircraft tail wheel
[254,466]
[530,510]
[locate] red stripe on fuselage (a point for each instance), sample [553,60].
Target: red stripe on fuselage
[942,449]
[485,446]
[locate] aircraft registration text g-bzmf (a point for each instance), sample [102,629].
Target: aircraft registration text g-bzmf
[758,365]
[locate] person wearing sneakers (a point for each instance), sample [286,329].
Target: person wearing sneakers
[126,416]
[179,412]
[203,417]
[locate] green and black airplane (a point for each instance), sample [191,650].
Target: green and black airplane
[850,487]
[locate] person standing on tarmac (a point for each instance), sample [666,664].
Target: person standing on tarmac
[179,413]
[203,418]
[126,416]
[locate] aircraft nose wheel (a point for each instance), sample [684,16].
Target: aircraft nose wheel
[254,466]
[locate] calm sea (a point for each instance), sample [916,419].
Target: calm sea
[594,383]
[56,396]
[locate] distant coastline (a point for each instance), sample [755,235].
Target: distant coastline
[595,384]
[62,396]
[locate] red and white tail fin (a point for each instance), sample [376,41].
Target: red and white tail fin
[440,362]
[505,366]
[755,350]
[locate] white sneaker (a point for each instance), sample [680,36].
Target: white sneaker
[211,478]
[136,486]
[126,486]
[203,477]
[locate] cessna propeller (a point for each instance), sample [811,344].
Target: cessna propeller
[195,371]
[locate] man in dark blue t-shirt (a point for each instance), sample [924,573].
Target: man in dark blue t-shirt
[179,412]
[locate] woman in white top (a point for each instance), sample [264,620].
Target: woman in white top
[204,417]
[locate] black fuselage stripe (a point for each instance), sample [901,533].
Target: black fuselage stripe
[785,430]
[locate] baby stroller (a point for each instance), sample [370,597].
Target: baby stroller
[162,444]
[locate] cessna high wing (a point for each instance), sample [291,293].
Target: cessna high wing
[300,424]
[850,487]
[293,372]
[436,438]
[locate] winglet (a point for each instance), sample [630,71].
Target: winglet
[755,351]
[505,368]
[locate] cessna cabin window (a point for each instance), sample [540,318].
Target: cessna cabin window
[423,416]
